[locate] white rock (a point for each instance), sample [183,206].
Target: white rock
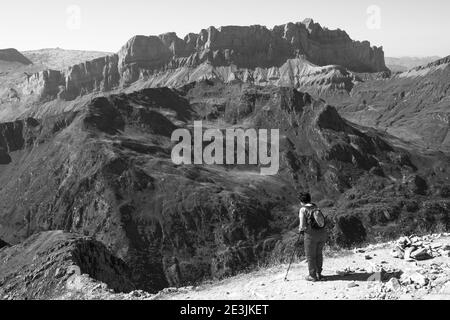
[446,288]
[393,284]
[418,279]
[408,252]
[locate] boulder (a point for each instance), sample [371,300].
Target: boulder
[418,279]
[408,252]
[421,254]
[397,253]
[393,284]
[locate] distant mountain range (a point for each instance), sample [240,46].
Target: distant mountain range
[401,64]
[59,59]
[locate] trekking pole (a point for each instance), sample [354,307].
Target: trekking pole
[292,257]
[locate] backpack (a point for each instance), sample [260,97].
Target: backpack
[315,218]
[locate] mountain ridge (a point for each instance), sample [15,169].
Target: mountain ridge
[59,59]
[146,58]
[404,63]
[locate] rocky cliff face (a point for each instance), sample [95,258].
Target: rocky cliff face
[256,46]
[252,53]
[12,138]
[100,74]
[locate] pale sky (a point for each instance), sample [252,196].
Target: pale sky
[404,27]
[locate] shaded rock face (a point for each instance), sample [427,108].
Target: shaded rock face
[105,171]
[3,244]
[252,54]
[40,267]
[12,55]
[11,139]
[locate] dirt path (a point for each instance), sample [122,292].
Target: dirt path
[365,273]
[366,266]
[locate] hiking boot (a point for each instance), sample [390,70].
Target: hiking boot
[309,278]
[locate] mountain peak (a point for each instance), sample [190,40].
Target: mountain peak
[308,22]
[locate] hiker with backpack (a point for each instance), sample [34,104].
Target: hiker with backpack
[312,226]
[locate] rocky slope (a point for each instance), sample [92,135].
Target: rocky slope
[368,273]
[402,64]
[255,54]
[42,266]
[105,171]
[412,105]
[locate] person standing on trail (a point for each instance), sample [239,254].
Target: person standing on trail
[312,226]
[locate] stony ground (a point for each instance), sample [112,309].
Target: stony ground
[365,273]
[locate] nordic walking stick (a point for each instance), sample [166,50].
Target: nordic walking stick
[292,257]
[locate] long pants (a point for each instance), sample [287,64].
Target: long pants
[314,243]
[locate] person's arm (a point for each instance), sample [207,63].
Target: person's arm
[302,218]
